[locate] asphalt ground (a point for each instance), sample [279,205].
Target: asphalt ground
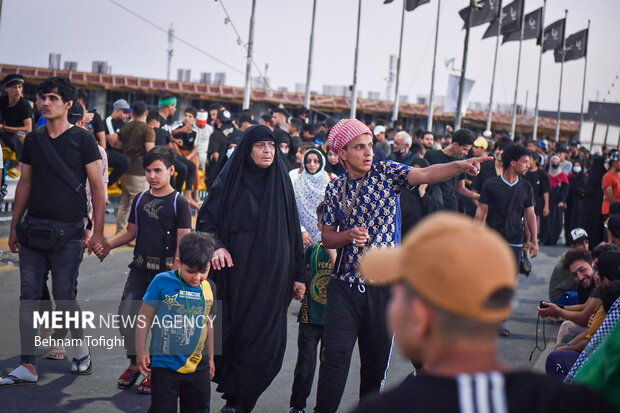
[59,391]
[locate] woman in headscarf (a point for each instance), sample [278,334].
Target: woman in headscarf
[333,165]
[557,202]
[258,265]
[576,197]
[309,192]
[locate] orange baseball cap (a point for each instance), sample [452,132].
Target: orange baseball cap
[457,264]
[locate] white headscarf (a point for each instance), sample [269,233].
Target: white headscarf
[309,192]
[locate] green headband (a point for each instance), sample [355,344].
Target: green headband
[167,101]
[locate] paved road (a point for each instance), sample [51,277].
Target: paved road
[58,391]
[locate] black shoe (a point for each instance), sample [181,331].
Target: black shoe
[296,410]
[228,408]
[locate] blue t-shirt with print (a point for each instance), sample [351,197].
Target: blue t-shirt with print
[376,208]
[178,337]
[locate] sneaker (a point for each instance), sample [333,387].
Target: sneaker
[296,410]
[14,173]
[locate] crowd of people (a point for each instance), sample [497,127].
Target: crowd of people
[315,212]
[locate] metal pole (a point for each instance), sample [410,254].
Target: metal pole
[429,120]
[514,103]
[499,31]
[459,104]
[583,89]
[357,44]
[247,90]
[542,38]
[400,52]
[309,70]
[170,50]
[557,124]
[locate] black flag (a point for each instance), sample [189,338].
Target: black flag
[576,47]
[532,29]
[554,35]
[487,13]
[411,4]
[511,15]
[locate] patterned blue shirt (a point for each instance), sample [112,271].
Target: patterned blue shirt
[376,208]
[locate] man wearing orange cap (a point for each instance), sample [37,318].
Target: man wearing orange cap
[362,210]
[445,311]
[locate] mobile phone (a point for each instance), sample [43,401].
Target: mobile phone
[542,304]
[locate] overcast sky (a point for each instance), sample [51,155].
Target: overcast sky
[87,30]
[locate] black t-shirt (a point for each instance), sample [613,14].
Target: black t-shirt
[519,392]
[487,171]
[188,139]
[540,184]
[503,216]
[14,116]
[448,187]
[158,221]
[50,196]
[162,137]
[97,123]
[112,125]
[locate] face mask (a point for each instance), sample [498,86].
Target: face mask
[229,152]
[577,169]
[555,165]
[399,151]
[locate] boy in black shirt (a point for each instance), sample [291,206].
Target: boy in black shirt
[507,198]
[15,115]
[158,220]
[453,331]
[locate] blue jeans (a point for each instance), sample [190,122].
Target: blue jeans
[518,252]
[559,362]
[33,268]
[569,298]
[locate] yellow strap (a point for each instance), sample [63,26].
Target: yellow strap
[196,357]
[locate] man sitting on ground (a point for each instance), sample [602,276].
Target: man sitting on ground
[453,332]
[562,285]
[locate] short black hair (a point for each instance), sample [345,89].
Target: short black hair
[576,255]
[153,115]
[416,147]
[60,85]
[215,106]
[266,118]
[138,108]
[427,132]
[158,153]
[608,293]
[196,250]
[513,152]
[463,137]
[398,123]
[191,110]
[296,123]
[501,143]
[82,95]
[603,247]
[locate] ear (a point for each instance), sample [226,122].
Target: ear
[177,261]
[342,153]
[422,318]
[171,170]
[69,104]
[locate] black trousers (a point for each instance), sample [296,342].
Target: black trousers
[119,162]
[353,312]
[308,338]
[168,386]
[186,173]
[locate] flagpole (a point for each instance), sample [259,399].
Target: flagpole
[357,44]
[459,102]
[542,46]
[309,70]
[583,90]
[400,52]
[499,30]
[557,123]
[247,90]
[514,104]
[429,120]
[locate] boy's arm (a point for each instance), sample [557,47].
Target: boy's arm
[211,349]
[145,319]
[123,237]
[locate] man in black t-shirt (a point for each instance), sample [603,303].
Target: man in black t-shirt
[507,199]
[15,113]
[452,331]
[54,205]
[462,142]
[118,162]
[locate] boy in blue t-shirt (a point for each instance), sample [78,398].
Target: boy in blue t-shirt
[178,304]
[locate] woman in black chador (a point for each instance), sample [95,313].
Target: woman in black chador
[257,265]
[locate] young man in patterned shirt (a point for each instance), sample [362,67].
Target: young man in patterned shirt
[361,212]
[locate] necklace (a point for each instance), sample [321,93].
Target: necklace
[185,292]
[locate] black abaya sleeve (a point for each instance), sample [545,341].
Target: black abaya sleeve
[563,193]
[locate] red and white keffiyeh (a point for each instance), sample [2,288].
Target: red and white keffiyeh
[344,132]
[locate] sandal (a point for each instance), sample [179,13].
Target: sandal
[130,376]
[56,353]
[12,378]
[78,366]
[504,332]
[145,387]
